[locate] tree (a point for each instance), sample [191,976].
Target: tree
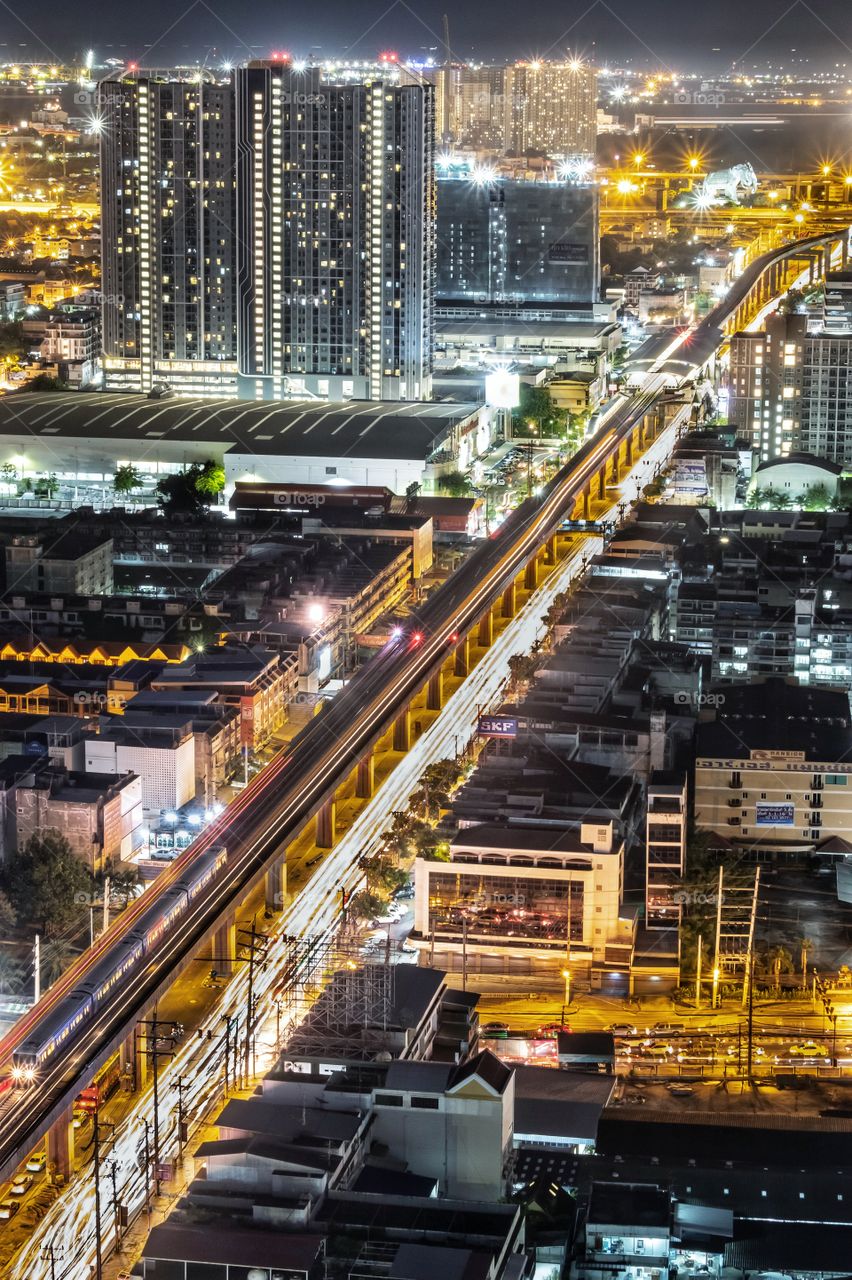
[126,479]
[8,919]
[46,486]
[777,501]
[11,974]
[46,882]
[210,480]
[45,382]
[780,961]
[806,945]
[8,473]
[817,497]
[756,498]
[122,884]
[522,668]
[191,490]
[455,485]
[57,954]
[538,411]
[366,905]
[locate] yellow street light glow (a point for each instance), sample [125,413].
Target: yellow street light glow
[800,217]
[826,169]
[625,186]
[694,162]
[638,158]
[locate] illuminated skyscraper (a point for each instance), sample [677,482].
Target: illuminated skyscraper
[336,235]
[168,245]
[551,107]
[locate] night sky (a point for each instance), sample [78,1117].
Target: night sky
[714,35]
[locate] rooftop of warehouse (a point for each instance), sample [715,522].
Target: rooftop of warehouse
[304,428]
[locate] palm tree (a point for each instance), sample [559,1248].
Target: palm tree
[805,945]
[756,498]
[127,478]
[56,956]
[781,961]
[11,974]
[777,501]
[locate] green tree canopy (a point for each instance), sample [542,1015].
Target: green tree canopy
[127,478]
[46,882]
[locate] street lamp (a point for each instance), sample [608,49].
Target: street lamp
[566,974]
[714,1001]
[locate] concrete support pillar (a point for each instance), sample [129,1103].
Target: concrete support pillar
[550,550]
[602,482]
[587,505]
[508,603]
[844,251]
[402,731]
[461,663]
[365,779]
[126,1064]
[435,692]
[531,574]
[60,1147]
[326,825]
[223,947]
[628,450]
[616,471]
[275,887]
[486,629]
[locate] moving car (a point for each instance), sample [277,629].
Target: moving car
[21,1184]
[495,1029]
[37,1162]
[550,1030]
[8,1208]
[808,1049]
[621,1029]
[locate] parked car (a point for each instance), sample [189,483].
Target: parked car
[621,1029]
[21,1184]
[495,1029]
[8,1208]
[37,1162]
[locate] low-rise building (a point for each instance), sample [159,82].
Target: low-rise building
[67,562]
[521,903]
[100,815]
[253,680]
[161,755]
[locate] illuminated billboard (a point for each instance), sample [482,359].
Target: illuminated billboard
[774,815]
[502,389]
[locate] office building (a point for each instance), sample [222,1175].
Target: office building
[504,242]
[772,771]
[551,107]
[168,248]
[336,236]
[837,302]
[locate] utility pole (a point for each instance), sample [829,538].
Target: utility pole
[154,1052]
[49,1254]
[749,967]
[105,919]
[698,973]
[147,1162]
[95,1144]
[181,1122]
[37,972]
[257,945]
[116,1207]
[750,1058]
